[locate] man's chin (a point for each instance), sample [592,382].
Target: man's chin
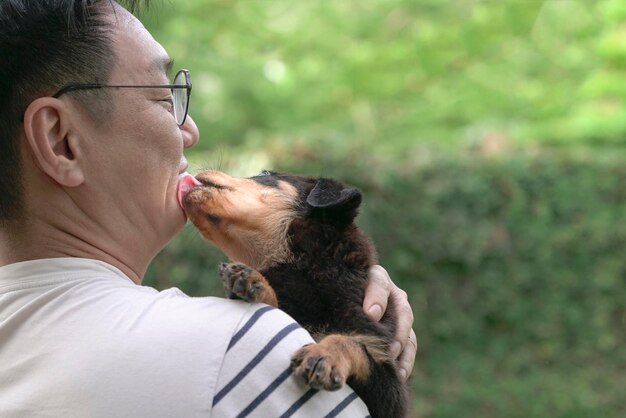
[180,220]
[173,222]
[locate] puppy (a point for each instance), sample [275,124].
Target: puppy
[294,245]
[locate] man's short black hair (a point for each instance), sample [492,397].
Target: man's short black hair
[43,46]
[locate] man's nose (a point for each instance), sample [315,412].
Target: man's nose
[190,132]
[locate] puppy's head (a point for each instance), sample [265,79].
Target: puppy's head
[256,220]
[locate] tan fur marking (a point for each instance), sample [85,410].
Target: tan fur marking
[329,363]
[253,218]
[348,354]
[266,294]
[375,346]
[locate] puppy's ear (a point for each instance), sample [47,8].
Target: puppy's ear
[334,201]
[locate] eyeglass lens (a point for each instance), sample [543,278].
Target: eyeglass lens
[180,98]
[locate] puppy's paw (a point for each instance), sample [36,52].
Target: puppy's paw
[319,367]
[242,282]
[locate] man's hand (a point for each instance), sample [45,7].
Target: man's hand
[378,292]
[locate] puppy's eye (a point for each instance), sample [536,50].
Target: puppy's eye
[264,173]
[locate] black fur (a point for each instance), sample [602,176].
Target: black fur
[324,286]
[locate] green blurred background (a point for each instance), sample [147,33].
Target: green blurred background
[489,139]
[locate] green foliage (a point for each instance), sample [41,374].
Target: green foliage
[389,73]
[599,114]
[489,140]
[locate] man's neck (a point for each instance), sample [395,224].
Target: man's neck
[34,241]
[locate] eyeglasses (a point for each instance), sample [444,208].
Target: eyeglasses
[181,91]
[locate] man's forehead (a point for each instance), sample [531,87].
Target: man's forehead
[135,46]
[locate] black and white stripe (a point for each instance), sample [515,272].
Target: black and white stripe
[256,380]
[255,361]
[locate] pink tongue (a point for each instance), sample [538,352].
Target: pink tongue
[186,183]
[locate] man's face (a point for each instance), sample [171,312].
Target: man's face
[135,157]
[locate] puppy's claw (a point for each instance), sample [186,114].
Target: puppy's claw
[239,287]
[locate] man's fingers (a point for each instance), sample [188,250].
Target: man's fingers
[377,293]
[405,346]
[405,315]
[406,361]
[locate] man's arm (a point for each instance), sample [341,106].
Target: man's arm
[256,380]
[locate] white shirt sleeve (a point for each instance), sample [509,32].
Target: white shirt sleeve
[255,379]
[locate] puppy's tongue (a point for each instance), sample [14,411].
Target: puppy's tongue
[185,183]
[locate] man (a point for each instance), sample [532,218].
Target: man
[92,135]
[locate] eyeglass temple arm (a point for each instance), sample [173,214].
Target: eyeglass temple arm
[74,87]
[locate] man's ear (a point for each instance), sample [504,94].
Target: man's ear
[333,200]
[47,127]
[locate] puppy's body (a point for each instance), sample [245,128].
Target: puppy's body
[294,245]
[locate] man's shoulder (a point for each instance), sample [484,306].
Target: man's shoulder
[249,329]
[263,329]
[236,326]
[173,314]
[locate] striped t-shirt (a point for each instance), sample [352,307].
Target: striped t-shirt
[256,379]
[79,339]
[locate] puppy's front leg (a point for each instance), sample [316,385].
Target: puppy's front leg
[329,363]
[243,282]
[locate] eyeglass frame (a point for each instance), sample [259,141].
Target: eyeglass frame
[89,86]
